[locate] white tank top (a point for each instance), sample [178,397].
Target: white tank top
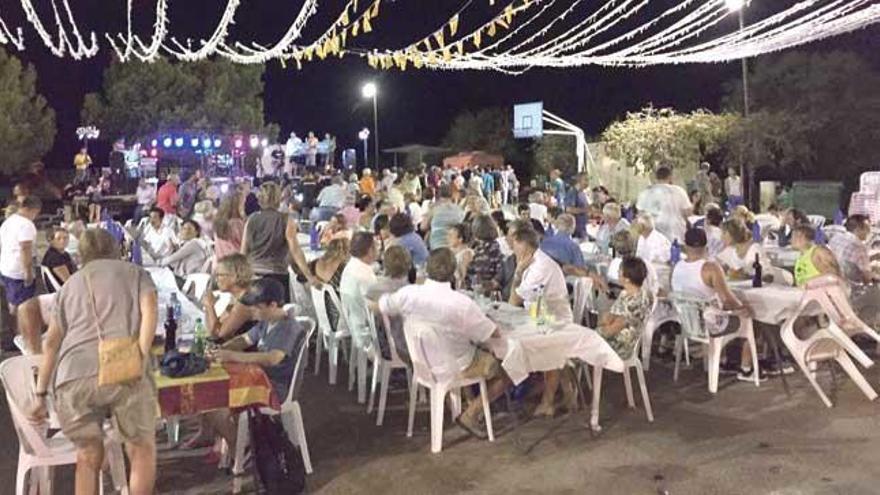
[687,278]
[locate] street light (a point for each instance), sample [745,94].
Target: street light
[370,91]
[739,6]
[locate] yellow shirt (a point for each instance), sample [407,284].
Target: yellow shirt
[81,161]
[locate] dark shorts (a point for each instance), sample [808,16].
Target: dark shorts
[16,290]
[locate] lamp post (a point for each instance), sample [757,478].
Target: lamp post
[364,136]
[739,6]
[370,90]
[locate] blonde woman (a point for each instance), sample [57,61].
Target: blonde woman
[234,276]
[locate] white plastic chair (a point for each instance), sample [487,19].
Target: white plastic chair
[383,367]
[832,342]
[661,312]
[419,336]
[38,453]
[291,413]
[583,300]
[691,317]
[364,348]
[47,274]
[818,221]
[635,362]
[197,283]
[329,337]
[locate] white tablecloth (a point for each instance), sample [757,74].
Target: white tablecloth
[772,303]
[782,257]
[526,348]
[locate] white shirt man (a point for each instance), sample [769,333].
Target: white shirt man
[15,231]
[668,204]
[544,272]
[455,318]
[158,242]
[357,277]
[654,248]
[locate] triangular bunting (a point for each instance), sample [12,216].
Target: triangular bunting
[453,25]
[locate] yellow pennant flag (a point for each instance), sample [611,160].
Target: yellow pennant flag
[508,14]
[319,51]
[372,61]
[375,10]
[354,29]
[503,23]
[367,26]
[460,46]
[440,38]
[308,53]
[343,19]
[478,37]
[417,60]
[432,58]
[492,30]
[453,25]
[344,36]
[388,61]
[447,55]
[427,42]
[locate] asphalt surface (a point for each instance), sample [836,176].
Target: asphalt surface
[744,440]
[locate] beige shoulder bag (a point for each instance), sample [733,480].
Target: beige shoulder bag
[119,359]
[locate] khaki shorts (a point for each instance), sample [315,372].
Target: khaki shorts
[484,365]
[83,406]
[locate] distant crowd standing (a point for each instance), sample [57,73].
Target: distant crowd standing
[405,243]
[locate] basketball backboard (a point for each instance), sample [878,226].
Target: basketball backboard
[528,120]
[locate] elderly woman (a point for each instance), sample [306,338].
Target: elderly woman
[233,274]
[107,299]
[270,238]
[612,223]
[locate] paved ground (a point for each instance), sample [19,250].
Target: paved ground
[742,441]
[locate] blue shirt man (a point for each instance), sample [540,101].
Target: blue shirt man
[488,184]
[560,246]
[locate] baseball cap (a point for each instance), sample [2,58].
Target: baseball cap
[264,291]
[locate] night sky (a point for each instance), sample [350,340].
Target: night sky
[415,106]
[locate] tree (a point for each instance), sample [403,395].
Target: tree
[27,123]
[555,151]
[820,111]
[651,137]
[490,130]
[141,99]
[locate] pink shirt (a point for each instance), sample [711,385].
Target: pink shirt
[166,198]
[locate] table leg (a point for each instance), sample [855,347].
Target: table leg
[597,394]
[774,339]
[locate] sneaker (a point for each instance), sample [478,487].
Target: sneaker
[769,367]
[748,375]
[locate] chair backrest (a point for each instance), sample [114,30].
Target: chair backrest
[418,336]
[830,293]
[18,377]
[583,298]
[690,314]
[818,221]
[48,275]
[321,311]
[198,283]
[308,326]
[223,301]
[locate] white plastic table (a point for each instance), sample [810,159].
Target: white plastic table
[772,303]
[525,348]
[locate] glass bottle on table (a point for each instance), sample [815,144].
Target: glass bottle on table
[170,330]
[758,275]
[176,307]
[200,338]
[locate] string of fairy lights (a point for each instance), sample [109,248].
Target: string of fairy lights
[520,35]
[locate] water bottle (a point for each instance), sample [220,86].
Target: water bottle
[170,330]
[540,308]
[199,339]
[758,276]
[175,306]
[675,252]
[136,254]
[314,238]
[756,232]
